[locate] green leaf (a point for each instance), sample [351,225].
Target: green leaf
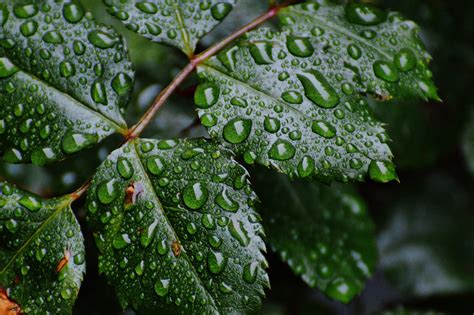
[293,100]
[323,233]
[42,258]
[179,23]
[176,228]
[64,81]
[426,244]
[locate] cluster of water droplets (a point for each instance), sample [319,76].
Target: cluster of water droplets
[175,22]
[34,237]
[58,71]
[323,233]
[175,219]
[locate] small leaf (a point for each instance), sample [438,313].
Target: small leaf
[178,23]
[42,258]
[180,235]
[293,100]
[323,233]
[64,81]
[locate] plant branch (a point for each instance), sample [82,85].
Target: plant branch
[160,100]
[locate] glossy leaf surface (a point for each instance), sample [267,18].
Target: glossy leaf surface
[180,23]
[64,80]
[176,228]
[42,258]
[323,233]
[294,101]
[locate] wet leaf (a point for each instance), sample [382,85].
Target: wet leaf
[64,81]
[293,100]
[42,258]
[323,233]
[176,228]
[178,23]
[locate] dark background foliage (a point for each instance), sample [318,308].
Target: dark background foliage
[424,223]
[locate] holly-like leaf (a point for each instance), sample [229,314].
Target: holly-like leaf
[323,233]
[42,258]
[179,23]
[177,230]
[293,100]
[64,80]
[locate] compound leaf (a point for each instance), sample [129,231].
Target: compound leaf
[64,80]
[179,23]
[42,257]
[176,228]
[293,100]
[323,233]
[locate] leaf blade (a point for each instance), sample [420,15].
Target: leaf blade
[38,264]
[182,226]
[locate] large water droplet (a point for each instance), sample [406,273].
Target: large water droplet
[282,150]
[121,241]
[250,272]
[53,37]
[125,168]
[162,287]
[318,90]
[206,95]
[108,191]
[101,39]
[405,60]
[195,195]
[385,71]
[324,129]
[73,12]
[382,171]
[216,262]
[237,130]
[25,11]
[220,10]
[30,203]
[226,202]
[299,46]
[155,165]
[237,230]
[364,14]
[147,7]
[7,68]
[75,142]
[262,53]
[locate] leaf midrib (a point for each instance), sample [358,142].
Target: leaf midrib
[149,183]
[333,26]
[183,28]
[63,205]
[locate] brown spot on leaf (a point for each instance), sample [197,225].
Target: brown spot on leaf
[64,261]
[132,192]
[7,305]
[176,247]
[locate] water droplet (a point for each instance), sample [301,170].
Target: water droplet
[101,39]
[405,60]
[66,293]
[195,195]
[306,167]
[216,262]
[75,142]
[98,93]
[7,68]
[73,12]
[271,125]
[53,37]
[147,7]
[121,241]
[147,235]
[354,51]
[155,165]
[385,71]
[382,171]
[125,168]
[43,156]
[67,69]
[206,95]
[30,203]
[341,289]
[237,130]
[324,129]
[29,28]
[237,230]
[220,10]
[25,11]
[108,191]
[11,225]
[122,84]
[364,14]
[262,53]
[162,287]
[318,90]
[299,46]
[250,272]
[282,150]
[292,97]
[226,202]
